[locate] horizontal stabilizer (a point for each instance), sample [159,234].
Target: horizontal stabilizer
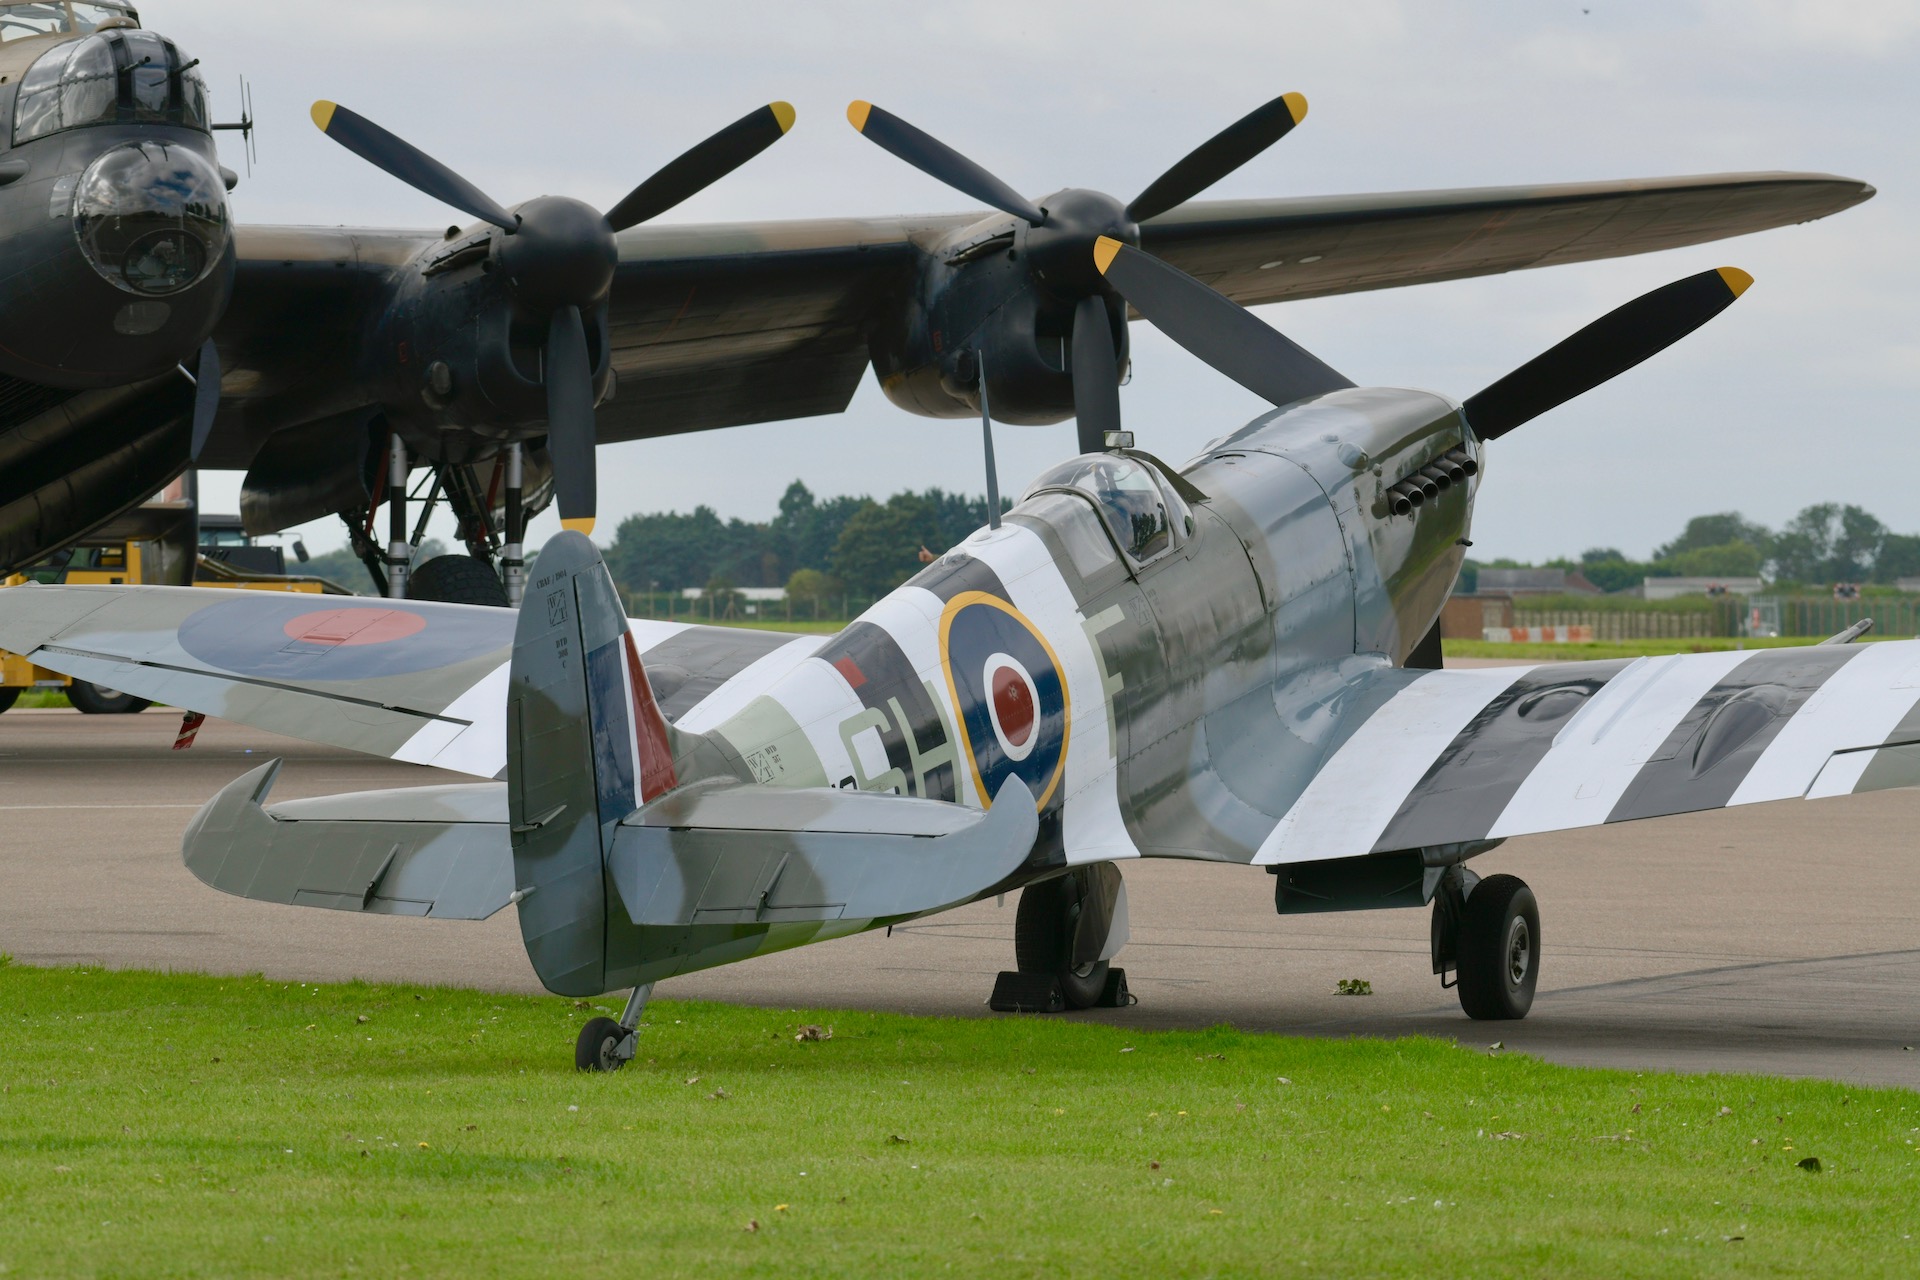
[425,851]
[746,855]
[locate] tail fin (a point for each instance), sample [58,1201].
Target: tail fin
[586,746]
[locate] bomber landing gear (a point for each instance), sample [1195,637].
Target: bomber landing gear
[606,1045]
[1489,932]
[1064,933]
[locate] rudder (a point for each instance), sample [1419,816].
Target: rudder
[586,746]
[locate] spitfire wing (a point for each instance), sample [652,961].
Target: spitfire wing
[1454,757]
[411,680]
[1257,251]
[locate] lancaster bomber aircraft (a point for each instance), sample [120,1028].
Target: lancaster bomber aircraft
[1233,661]
[494,355]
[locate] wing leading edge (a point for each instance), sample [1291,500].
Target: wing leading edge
[1456,757]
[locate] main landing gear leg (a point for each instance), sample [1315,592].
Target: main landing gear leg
[1064,932]
[606,1045]
[399,550]
[1489,932]
[513,565]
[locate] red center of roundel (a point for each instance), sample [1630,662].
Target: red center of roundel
[332,628]
[1012,705]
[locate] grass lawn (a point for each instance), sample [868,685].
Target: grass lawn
[158,1125]
[1621,648]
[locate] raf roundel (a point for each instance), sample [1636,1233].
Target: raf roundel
[290,639]
[1006,683]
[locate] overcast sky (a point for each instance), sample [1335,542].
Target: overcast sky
[1808,390]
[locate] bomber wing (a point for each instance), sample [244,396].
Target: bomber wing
[719,325]
[1454,757]
[411,680]
[1257,251]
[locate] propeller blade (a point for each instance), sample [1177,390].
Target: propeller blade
[1604,349]
[1213,327]
[1096,375]
[570,435]
[704,165]
[206,398]
[408,163]
[1220,155]
[938,160]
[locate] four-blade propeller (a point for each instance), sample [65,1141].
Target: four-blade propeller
[1268,363]
[1062,232]
[560,256]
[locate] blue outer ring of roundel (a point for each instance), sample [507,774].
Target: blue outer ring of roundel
[247,636]
[974,627]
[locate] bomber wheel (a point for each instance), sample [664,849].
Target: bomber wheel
[9,696]
[598,1048]
[457,580]
[98,700]
[1499,950]
[1043,929]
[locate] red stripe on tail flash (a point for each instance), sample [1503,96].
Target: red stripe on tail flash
[650,731]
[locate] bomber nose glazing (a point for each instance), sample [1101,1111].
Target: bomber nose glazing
[152,217]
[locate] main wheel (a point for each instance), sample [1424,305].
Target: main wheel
[9,696]
[457,580]
[1043,933]
[1499,953]
[598,1045]
[98,700]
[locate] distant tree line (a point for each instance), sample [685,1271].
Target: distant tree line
[816,549]
[1826,543]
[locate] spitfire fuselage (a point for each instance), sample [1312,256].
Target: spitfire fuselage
[1134,671]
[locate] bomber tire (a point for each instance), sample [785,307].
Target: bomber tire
[1043,927]
[9,696]
[1499,951]
[595,1049]
[457,580]
[97,700]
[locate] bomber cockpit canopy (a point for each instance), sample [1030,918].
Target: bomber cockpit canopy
[62,18]
[118,75]
[1140,510]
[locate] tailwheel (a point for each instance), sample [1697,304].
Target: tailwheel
[1499,949]
[598,1048]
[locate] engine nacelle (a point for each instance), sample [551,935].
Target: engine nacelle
[980,297]
[457,350]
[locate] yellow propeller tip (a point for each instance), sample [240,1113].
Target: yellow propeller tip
[782,112]
[1105,250]
[857,113]
[323,113]
[582,525]
[1296,105]
[1737,280]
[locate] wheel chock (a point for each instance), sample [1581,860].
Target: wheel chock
[1015,992]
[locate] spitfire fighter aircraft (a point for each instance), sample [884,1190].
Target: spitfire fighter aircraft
[492,357]
[1233,661]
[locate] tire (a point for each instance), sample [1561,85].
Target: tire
[1043,940]
[1499,956]
[594,1050]
[457,580]
[8,697]
[98,700]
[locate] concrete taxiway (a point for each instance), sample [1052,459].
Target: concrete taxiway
[1778,938]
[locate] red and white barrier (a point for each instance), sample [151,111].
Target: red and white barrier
[1540,635]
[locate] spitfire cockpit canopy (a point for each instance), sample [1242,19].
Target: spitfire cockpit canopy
[1139,509]
[62,18]
[120,75]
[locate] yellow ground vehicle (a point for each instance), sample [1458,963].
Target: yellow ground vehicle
[226,558]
